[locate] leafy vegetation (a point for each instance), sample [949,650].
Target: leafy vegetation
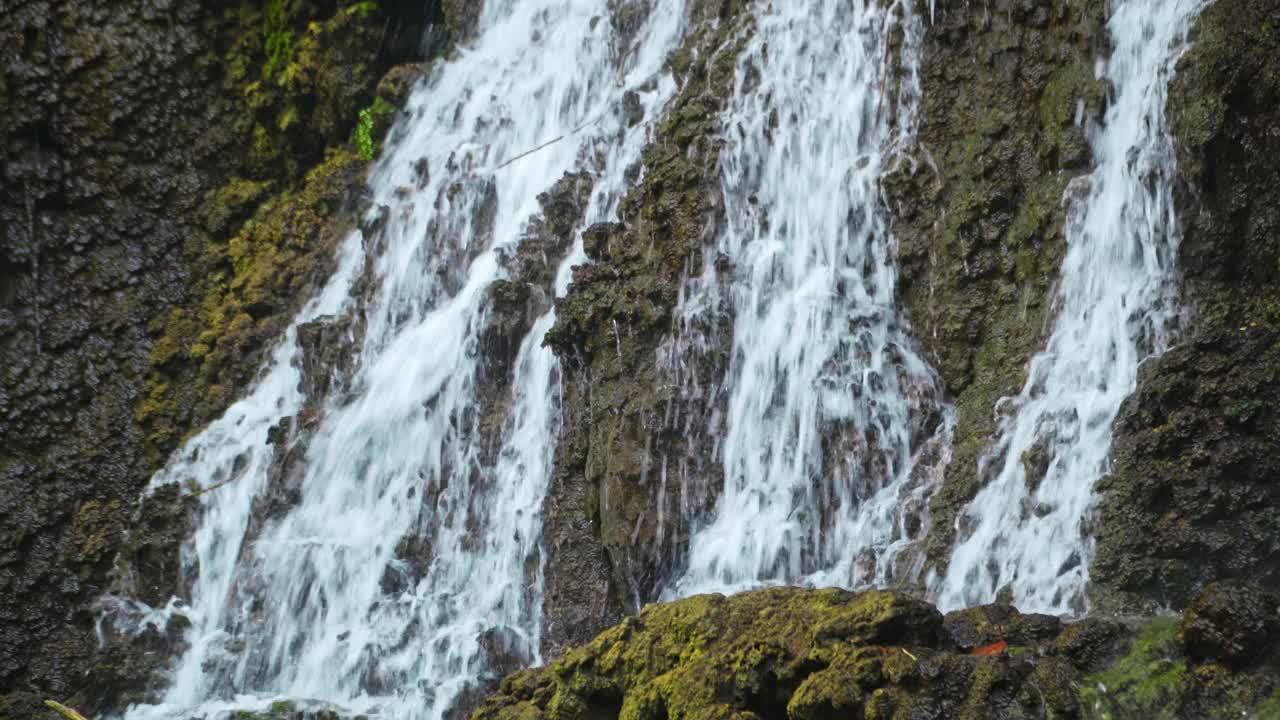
[369,118]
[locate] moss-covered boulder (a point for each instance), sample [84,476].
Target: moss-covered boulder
[1233,622]
[796,654]
[767,654]
[786,653]
[1165,673]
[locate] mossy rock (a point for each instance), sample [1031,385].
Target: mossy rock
[249,287]
[1233,622]
[785,653]
[804,654]
[306,74]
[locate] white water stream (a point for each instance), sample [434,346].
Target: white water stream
[299,611]
[1116,306]
[826,393]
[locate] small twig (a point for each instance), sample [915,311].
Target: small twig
[527,153]
[908,654]
[64,710]
[549,143]
[211,488]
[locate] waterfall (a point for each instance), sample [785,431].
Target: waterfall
[1116,306]
[829,407]
[297,604]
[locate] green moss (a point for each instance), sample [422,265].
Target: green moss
[248,286]
[232,203]
[277,38]
[1151,681]
[303,78]
[710,657]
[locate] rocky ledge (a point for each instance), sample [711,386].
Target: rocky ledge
[817,654]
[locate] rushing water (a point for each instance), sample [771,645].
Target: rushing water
[1116,306]
[828,405]
[300,607]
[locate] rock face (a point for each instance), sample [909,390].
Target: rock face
[607,554]
[818,654]
[978,213]
[1233,622]
[1194,491]
[1193,495]
[162,205]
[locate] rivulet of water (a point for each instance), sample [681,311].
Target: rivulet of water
[302,608]
[829,407]
[1116,306]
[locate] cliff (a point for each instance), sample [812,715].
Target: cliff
[175,173]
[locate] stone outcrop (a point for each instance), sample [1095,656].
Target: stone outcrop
[820,654]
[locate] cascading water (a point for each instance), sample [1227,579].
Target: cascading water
[300,609]
[1116,306]
[828,405]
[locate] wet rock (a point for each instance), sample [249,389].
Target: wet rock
[1089,643]
[297,710]
[977,208]
[631,433]
[549,237]
[505,650]
[149,564]
[991,623]
[395,85]
[1232,622]
[632,110]
[627,18]
[329,347]
[1192,497]
[462,17]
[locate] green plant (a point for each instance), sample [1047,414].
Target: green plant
[369,117]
